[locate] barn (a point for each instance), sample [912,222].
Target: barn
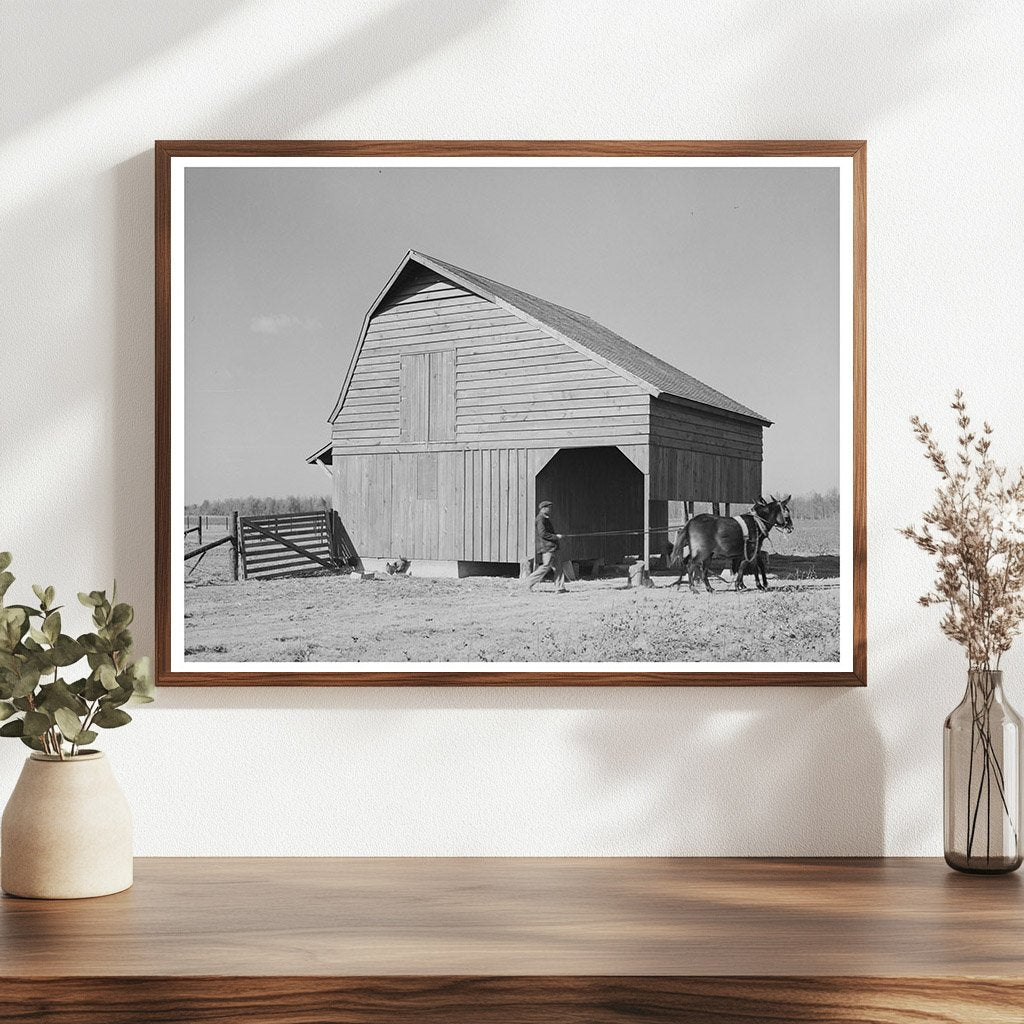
[467,402]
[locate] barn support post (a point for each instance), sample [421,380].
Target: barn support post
[647,527]
[728,509]
[234,545]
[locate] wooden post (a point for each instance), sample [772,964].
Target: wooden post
[647,523]
[234,545]
[716,509]
[200,528]
[728,509]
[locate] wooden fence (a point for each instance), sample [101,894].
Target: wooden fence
[266,546]
[278,545]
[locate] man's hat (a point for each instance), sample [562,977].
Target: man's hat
[544,504]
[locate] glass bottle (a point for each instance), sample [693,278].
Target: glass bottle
[981,775]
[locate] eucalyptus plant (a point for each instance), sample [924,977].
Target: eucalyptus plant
[37,704]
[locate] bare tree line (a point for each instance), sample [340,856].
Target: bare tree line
[814,505]
[811,505]
[253,506]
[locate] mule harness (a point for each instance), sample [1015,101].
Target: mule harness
[752,546]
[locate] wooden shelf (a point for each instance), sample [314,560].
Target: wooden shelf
[507,940]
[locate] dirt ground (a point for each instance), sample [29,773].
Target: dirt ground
[323,617]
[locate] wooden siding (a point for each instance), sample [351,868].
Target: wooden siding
[699,455]
[681,475]
[479,505]
[440,364]
[676,425]
[449,505]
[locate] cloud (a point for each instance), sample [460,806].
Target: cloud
[282,323]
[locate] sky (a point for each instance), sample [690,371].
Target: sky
[731,274]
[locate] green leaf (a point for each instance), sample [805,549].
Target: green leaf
[31,741]
[6,710]
[59,695]
[109,717]
[107,676]
[13,728]
[6,579]
[122,616]
[94,644]
[40,593]
[38,635]
[51,626]
[94,689]
[50,595]
[29,611]
[27,681]
[69,723]
[5,559]
[36,723]
[86,736]
[13,626]
[67,651]
[89,600]
[115,698]
[142,681]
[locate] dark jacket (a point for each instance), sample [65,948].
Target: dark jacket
[547,539]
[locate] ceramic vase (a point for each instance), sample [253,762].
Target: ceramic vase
[66,831]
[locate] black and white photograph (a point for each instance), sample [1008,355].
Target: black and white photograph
[552,415]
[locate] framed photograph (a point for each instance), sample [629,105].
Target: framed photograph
[492,413]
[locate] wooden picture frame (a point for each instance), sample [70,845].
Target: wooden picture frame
[849,156]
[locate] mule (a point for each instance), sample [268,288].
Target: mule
[705,536]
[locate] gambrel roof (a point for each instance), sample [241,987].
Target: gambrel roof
[578,331]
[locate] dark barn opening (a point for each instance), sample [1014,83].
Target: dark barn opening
[594,490]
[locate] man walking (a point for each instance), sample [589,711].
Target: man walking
[547,546]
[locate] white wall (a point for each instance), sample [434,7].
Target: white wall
[935,87]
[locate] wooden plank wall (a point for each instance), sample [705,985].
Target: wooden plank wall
[431,344]
[448,505]
[699,456]
[678,474]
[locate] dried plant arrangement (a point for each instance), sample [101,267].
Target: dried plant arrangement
[975,532]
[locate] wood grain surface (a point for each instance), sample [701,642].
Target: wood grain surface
[496,939]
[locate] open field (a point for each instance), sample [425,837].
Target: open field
[325,617]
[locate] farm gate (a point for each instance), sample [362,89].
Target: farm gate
[276,545]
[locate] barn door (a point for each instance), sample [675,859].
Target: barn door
[427,396]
